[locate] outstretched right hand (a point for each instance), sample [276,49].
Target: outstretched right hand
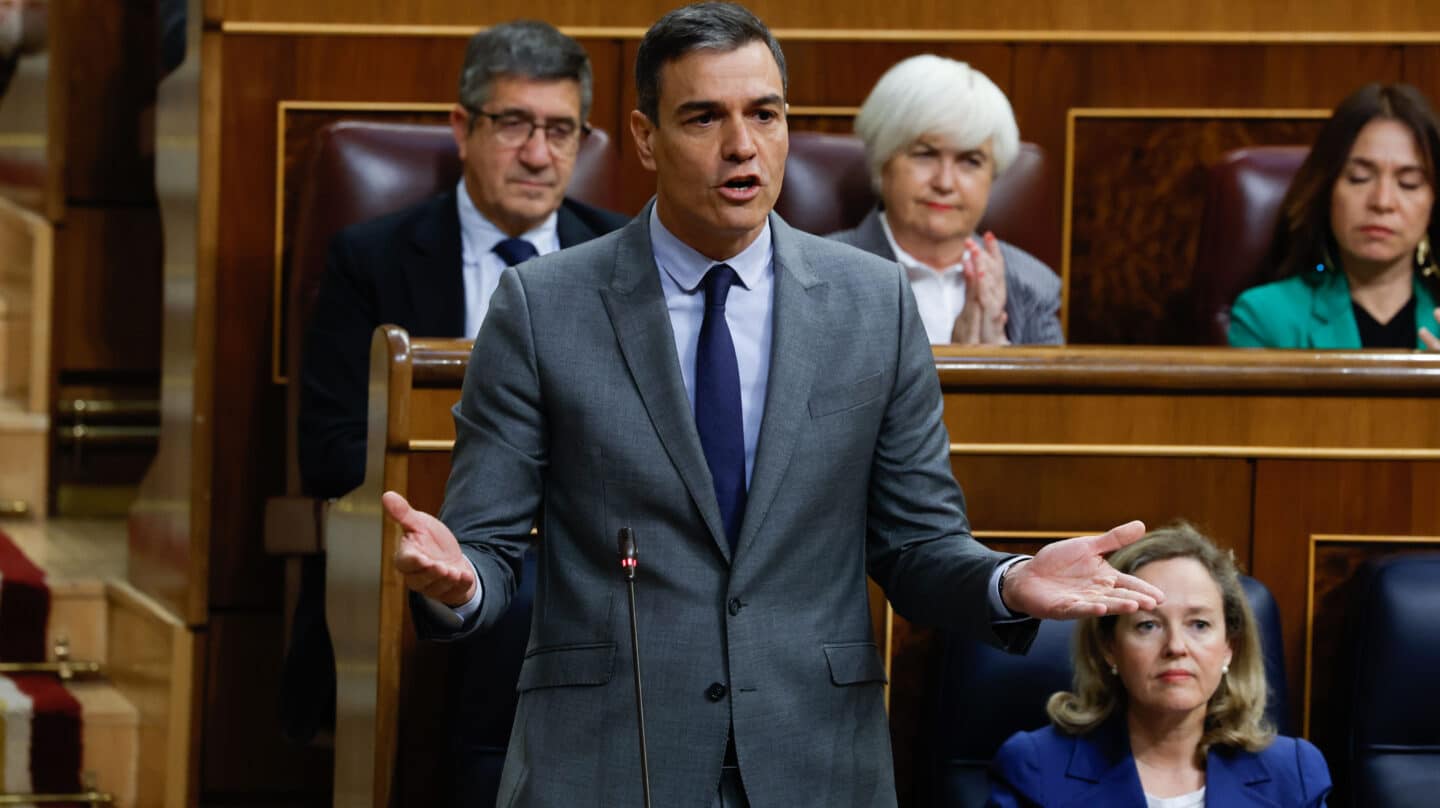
[428,556]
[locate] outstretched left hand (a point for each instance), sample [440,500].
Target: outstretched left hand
[1070,578]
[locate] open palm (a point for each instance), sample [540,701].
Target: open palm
[1070,578]
[428,557]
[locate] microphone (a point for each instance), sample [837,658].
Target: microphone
[629,563]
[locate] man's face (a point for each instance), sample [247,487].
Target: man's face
[718,148]
[517,180]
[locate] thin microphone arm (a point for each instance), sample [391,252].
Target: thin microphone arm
[629,563]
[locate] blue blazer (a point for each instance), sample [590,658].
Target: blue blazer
[1050,769]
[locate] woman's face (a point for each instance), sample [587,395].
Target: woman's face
[935,192]
[1380,205]
[1170,659]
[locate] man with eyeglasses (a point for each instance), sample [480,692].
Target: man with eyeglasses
[525,93]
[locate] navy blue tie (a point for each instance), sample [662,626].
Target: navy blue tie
[515,250]
[717,403]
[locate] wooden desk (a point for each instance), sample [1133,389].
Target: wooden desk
[1303,463]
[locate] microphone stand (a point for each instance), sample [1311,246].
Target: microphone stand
[629,562]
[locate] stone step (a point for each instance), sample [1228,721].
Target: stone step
[110,734]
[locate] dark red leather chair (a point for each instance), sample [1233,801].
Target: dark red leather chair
[827,188]
[1242,205]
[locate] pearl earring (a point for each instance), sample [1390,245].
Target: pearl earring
[1224,669]
[1114,671]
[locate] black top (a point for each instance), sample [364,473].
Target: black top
[1398,333]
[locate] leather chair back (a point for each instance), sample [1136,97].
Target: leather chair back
[1394,656]
[1242,204]
[986,695]
[361,170]
[827,188]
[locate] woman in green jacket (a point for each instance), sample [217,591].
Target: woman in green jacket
[1353,242]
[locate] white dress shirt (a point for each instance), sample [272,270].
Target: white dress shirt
[482,267]
[939,294]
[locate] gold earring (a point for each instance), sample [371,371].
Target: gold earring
[1425,259]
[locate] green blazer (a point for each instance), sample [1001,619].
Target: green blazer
[1294,314]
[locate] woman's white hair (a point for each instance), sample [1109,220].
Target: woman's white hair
[930,94]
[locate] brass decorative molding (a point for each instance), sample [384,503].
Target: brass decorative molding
[1198,113]
[1018,36]
[1192,450]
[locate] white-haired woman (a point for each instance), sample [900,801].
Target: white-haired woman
[937,133]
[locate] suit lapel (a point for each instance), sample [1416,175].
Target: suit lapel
[872,235]
[796,349]
[1229,779]
[1102,771]
[434,270]
[636,305]
[1332,319]
[570,228]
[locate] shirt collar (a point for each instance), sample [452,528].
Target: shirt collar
[687,267]
[914,267]
[478,235]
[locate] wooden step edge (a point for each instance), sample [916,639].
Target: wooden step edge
[110,738]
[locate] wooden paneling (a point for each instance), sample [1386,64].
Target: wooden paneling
[1296,500]
[1075,495]
[107,266]
[243,743]
[109,71]
[1045,15]
[1138,191]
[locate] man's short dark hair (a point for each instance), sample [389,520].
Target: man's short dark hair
[700,26]
[527,49]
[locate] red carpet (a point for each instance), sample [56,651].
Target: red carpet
[36,701]
[24,606]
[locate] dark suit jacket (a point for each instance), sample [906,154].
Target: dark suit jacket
[580,413]
[1049,769]
[1032,290]
[402,269]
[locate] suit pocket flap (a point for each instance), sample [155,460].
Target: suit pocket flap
[567,666]
[844,397]
[854,663]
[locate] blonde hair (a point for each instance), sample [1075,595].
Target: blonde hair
[1235,716]
[932,94]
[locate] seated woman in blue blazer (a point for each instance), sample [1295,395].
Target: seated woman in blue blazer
[1168,707]
[1353,241]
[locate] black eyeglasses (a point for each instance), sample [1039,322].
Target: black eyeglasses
[514,129]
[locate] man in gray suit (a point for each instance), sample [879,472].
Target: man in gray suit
[761,408]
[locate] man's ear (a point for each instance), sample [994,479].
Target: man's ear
[460,128]
[643,130]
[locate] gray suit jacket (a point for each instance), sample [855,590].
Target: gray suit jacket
[577,416]
[1032,290]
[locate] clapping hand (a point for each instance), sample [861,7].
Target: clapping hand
[982,320]
[1070,578]
[428,556]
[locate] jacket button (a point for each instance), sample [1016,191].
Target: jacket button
[715,692]
[735,605]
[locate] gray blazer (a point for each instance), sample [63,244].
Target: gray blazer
[577,416]
[1032,290]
